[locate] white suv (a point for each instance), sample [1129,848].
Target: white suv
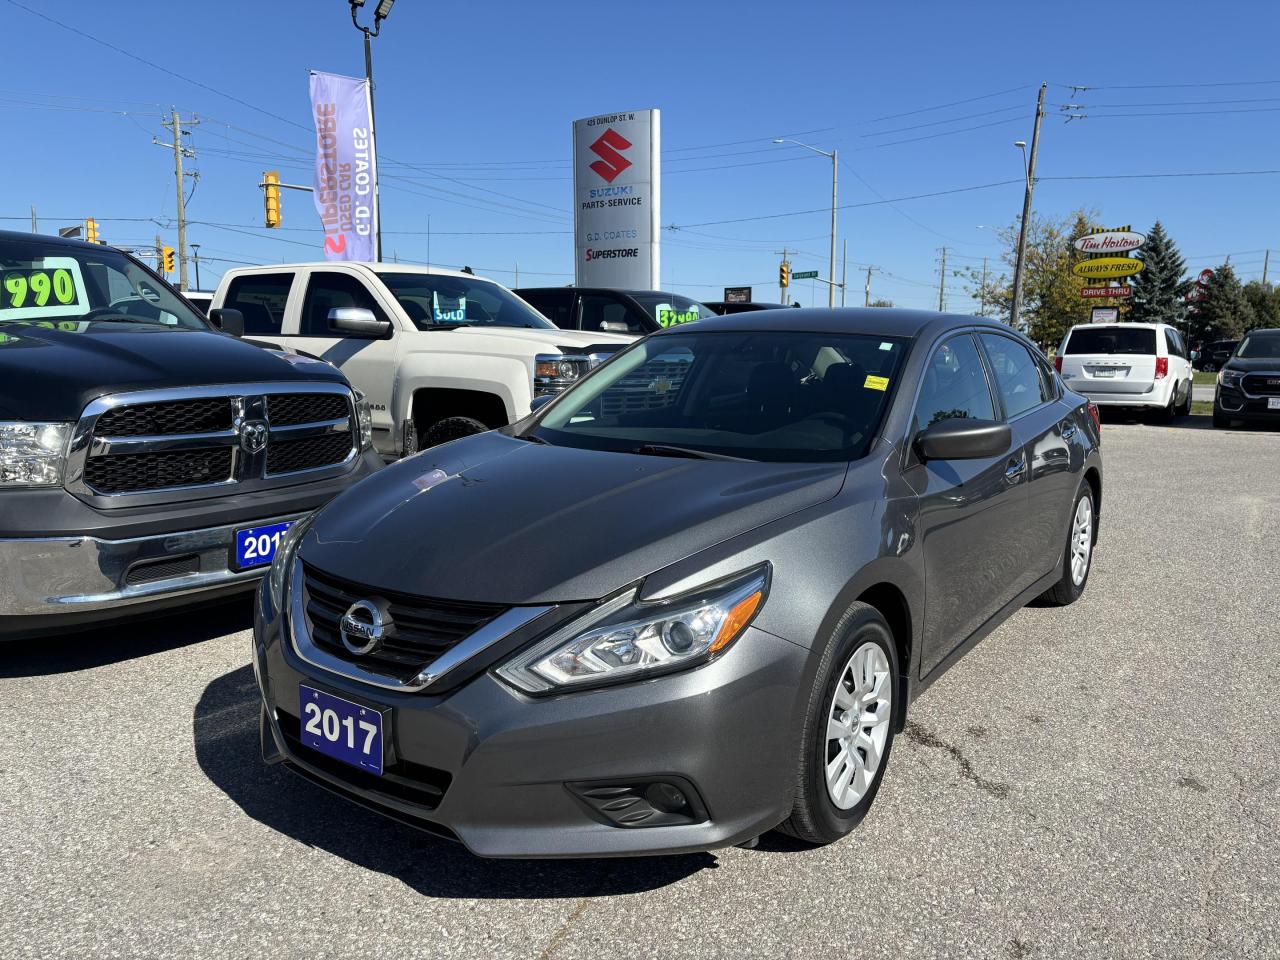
[438,354]
[1140,365]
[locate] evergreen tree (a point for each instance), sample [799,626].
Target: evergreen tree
[1158,291]
[1224,313]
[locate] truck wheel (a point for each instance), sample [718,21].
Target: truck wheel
[450,428]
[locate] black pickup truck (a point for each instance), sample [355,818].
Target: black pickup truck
[147,458]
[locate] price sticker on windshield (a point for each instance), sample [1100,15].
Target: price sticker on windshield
[39,290]
[876,383]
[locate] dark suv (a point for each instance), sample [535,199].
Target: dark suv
[691,598]
[600,309]
[1249,381]
[147,459]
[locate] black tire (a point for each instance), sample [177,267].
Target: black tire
[450,428]
[1220,420]
[815,818]
[1066,590]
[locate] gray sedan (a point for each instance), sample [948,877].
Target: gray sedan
[690,599]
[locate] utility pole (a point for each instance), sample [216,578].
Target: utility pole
[195,256]
[844,273]
[982,291]
[1015,311]
[942,281]
[1266,257]
[36,229]
[785,295]
[159,255]
[831,289]
[866,290]
[174,126]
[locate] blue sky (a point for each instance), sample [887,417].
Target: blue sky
[479,98]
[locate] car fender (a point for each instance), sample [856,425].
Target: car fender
[507,377]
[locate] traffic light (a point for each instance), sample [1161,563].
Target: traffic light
[271,197]
[784,274]
[91,230]
[167,256]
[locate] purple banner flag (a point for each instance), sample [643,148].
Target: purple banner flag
[346,165]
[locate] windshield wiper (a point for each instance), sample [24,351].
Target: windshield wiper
[667,450]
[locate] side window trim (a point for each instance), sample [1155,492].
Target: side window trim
[986,359]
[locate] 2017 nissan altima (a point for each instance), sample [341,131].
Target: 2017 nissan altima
[691,598]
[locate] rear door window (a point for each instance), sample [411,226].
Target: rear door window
[261,298]
[555,305]
[1132,341]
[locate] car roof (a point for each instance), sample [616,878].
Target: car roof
[1130,326]
[876,321]
[383,267]
[18,236]
[631,292]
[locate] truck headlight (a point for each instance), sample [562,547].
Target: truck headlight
[625,639]
[33,454]
[1229,378]
[282,563]
[364,417]
[553,373]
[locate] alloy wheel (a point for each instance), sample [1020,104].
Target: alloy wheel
[1081,540]
[858,717]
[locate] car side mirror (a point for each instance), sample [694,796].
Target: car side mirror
[963,439]
[359,321]
[614,326]
[539,402]
[228,321]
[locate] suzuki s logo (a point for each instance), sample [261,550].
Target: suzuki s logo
[253,436]
[611,162]
[365,626]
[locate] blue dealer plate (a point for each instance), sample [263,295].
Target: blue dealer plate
[256,546]
[341,729]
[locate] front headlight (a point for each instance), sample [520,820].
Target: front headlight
[282,562]
[624,639]
[553,373]
[1229,378]
[364,417]
[33,454]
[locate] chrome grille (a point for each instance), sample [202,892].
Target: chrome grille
[1262,384]
[210,441]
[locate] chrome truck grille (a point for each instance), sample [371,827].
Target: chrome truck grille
[187,442]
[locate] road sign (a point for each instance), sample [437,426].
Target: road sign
[1105,268]
[1090,293]
[737,294]
[805,275]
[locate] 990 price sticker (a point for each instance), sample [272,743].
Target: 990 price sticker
[37,288]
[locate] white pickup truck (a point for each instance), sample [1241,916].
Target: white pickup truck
[438,354]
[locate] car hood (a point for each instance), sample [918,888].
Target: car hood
[539,340]
[52,374]
[1249,365]
[495,519]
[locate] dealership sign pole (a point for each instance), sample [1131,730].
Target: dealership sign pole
[617,200]
[346,166]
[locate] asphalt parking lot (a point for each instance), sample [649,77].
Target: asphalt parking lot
[1102,780]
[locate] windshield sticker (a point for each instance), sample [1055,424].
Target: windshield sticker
[669,316]
[876,383]
[450,309]
[44,289]
[885,345]
[430,479]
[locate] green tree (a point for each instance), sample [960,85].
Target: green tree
[1051,301]
[1265,300]
[1224,312]
[880,303]
[1159,290]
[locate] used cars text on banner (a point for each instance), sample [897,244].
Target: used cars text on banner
[616,202]
[346,165]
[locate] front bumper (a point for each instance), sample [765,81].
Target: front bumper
[1236,404]
[490,767]
[64,563]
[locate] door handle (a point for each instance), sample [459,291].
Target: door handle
[1014,471]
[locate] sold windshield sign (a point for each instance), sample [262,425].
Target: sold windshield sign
[616,192]
[345,166]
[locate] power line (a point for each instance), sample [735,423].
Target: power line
[943,106]
[1173,86]
[946,133]
[1161,176]
[936,123]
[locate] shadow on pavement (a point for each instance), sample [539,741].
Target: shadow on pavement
[228,751]
[127,640]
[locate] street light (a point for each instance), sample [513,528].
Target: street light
[831,277]
[380,13]
[195,255]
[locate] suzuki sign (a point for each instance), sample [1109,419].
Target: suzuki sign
[616,200]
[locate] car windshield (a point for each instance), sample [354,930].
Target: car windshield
[671,310]
[437,300]
[1125,340]
[774,396]
[74,288]
[1259,345]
